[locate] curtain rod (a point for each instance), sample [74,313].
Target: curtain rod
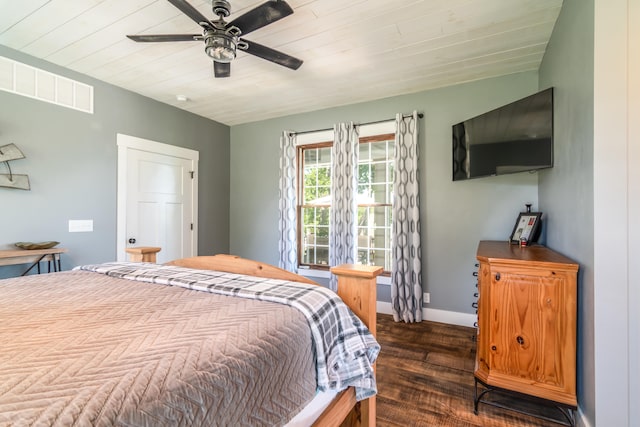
[404,116]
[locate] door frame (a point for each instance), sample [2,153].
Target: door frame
[128,142]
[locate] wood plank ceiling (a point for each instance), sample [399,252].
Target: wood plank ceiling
[353,51]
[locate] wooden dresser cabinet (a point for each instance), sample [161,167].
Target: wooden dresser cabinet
[527,322]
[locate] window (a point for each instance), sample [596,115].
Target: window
[314,177]
[375,185]
[374,198]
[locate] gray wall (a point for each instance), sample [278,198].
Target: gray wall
[71,159]
[455,215]
[566,191]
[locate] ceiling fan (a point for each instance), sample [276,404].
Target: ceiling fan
[222,39]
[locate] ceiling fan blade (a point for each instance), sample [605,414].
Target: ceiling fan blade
[191,12]
[272,55]
[221,69]
[166,38]
[262,15]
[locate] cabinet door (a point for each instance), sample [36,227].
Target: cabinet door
[532,331]
[484,322]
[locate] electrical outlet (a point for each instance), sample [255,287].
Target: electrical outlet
[426,297]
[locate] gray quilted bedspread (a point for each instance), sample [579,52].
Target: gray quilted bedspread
[86,349]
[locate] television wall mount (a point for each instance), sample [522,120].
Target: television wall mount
[12,180]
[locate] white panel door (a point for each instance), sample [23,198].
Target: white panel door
[159,203]
[157,195]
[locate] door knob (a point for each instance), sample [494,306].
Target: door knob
[132,240]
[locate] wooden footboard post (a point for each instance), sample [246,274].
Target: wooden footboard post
[357,288]
[143,254]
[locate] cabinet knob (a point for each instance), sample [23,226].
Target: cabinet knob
[494,348]
[520,340]
[497,277]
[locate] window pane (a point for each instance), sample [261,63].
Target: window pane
[364,152]
[317,155]
[315,235]
[382,258]
[379,150]
[379,172]
[379,193]
[364,173]
[317,176]
[374,236]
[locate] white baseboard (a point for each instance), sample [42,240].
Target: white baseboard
[434,315]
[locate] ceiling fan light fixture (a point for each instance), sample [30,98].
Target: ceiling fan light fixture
[220,47]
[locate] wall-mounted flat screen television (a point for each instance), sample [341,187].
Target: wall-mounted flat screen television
[517,137]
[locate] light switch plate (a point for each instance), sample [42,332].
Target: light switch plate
[80,225]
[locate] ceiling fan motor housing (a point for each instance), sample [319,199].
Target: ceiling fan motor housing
[221,8]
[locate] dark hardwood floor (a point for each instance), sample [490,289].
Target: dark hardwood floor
[425,378]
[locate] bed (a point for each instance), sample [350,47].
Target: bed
[215,340]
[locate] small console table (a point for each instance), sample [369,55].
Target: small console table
[33,257]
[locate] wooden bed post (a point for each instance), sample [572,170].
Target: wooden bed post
[143,254]
[358,289]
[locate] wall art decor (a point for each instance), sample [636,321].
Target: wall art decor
[12,180]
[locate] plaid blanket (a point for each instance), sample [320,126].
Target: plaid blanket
[345,349]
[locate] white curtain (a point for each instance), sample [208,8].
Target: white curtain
[344,187]
[406,269]
[288,195]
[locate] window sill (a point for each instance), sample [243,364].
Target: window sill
[325,274]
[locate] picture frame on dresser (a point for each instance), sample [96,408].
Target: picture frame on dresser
[527,227]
